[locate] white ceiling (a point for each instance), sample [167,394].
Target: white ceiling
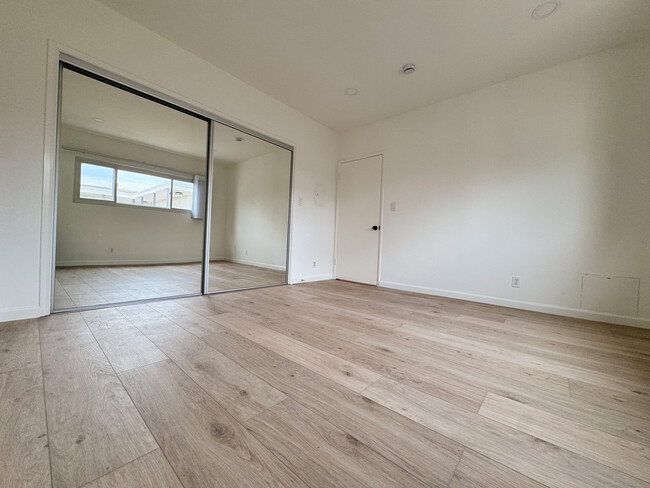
[132,118]
[306,52]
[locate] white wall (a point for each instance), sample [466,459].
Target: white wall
[249,210]
[218,220]
[86,232]
[100,33]
[545,177]
[256,210]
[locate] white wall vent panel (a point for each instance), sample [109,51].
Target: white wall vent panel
[610,294]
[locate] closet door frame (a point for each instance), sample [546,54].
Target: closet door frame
[60,58]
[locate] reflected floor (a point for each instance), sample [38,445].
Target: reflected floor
[98,285]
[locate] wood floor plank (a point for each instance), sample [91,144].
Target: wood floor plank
[337,333]
[620,424]
[411,306]
[636,403]
[602,358]
[547,333]
[141,313]
[124,345]
[61,327]
[239,391]
[549,365]
[205,446]
[488,371]
[538,459]
[24,457]
[430,309]
[348,374]
[19,345]
[322,454]
[476,471]
[378,335]
[150,471]
[590,336]
[612,451]
[425,454]
[329,383]
[188,319]
[206,305]
[338,342]
[93,426]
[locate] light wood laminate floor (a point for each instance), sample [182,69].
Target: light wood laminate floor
[328,384]
[82,286]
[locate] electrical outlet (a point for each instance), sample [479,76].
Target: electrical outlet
[300,201]
[246,252]
[313,264]
[110,249]
[393,206]
[515,281]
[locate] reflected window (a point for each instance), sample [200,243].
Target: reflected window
[143,190]
[182,194]
[115,185]
[97,182]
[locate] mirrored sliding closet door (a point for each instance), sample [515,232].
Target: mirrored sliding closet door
[251,181]
[130,196]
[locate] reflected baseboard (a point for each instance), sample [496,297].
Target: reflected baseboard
[155,262]
[124,262]
[251,263]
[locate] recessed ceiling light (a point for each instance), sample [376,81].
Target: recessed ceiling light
[408,69]
[239,139]
[545,9]
[351,92]
[98,119]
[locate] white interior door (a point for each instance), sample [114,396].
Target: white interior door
[358,228]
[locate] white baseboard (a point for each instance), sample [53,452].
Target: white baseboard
[532,306]
[308,279]
[124,262]
[21,313]
[255,263]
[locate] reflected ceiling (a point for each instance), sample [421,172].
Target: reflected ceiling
[132,118]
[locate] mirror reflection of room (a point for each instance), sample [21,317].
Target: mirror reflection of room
[250,211]
[131,181]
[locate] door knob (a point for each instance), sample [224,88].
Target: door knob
[375,227]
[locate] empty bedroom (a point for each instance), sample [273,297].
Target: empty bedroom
[325,243]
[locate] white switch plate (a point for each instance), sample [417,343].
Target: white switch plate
[515,281]
[393,206]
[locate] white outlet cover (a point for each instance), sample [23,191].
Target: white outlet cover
[516,281]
